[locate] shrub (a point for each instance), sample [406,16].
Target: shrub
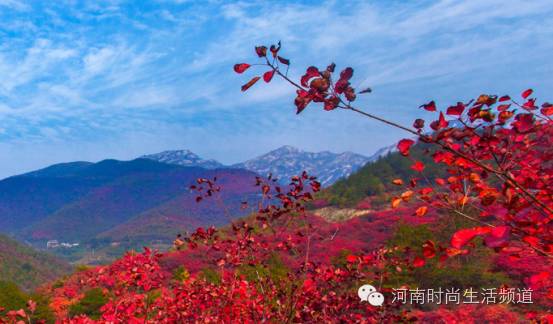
[90,304]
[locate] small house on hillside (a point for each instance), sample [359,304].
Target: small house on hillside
[52,244]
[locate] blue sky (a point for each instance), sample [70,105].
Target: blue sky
[115,79]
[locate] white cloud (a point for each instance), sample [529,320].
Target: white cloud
[167,15]
[146,97]
[40,60]
[14,4]
[97,60]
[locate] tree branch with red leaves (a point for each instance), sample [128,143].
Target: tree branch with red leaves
[518,143]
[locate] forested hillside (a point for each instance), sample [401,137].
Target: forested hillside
[26,267]
[128,203]
[375,178]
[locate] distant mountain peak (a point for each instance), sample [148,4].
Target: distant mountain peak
[183,152]
[287,149]
[288,161]
[183,157]
[383,152]
[283,162]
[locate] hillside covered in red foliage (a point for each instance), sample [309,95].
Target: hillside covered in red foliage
[470,244]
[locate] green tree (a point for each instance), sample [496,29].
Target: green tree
[90,304]
[375,178]
[11,297]
[476,270]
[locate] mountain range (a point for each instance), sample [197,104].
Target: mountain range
[283,163]
[184,158]
[137,201]
[131,203]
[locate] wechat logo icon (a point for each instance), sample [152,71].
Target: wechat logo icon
[368,293]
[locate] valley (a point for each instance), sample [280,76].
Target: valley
[91,213]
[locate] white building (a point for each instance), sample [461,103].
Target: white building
[52,244]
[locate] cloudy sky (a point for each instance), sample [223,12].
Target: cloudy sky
[115,79]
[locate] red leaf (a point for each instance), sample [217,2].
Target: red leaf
[250,83]
[431,106]
[302,100]
[395,202]
[453,252]
[426,191]
[418,262]
[404,145]
[274,49]
[315,186]
[346,74]
[350,94]
[31,305]
[524,122]
[456,110]
[530,104]
[499,236]
[532,240]
[21,313]
[537,281]
[240,68]
[397,182]
[418,123]
[429,249]
[485,100]
[421,211]
[505,115]
[331,103]
[462,237]
[309,285]
[406,196]
[311,72]
[418,166]
[267,76]
[503,107]
[547,109]
[265,189]
[341,85]
[351,258]
[261,51]
[283,60]
[527,93]
[319,84]
[504,98]
[440,123]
